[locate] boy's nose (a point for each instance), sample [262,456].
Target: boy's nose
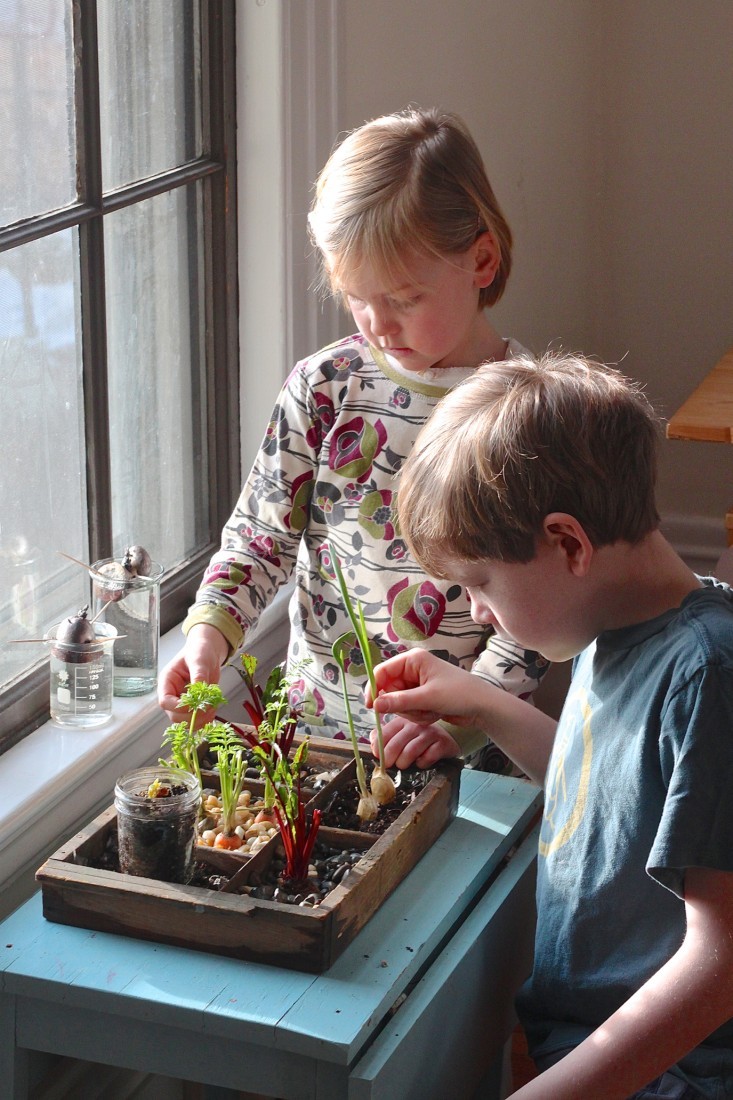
[480,611]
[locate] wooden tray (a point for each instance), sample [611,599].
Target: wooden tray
[228,923]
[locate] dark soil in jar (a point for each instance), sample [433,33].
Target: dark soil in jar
[339,812]
[159,846]
[331,866]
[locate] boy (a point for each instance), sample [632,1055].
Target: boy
[533,486]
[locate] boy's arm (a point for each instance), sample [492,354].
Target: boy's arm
[675,1010]
[424,689]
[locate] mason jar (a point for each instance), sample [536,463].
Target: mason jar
[157,809]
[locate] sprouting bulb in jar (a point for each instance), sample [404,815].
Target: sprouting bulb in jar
[137,561]
[75,632]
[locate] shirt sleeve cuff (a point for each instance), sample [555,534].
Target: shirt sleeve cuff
[217,617]
[469,740]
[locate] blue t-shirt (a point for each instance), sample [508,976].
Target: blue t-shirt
[639,787]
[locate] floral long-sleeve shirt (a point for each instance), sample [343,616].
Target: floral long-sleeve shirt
[342,426]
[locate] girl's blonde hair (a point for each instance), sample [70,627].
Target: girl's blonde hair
[518,440]
[407,182]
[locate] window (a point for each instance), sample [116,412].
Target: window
[118,307]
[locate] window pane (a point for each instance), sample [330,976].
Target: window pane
[43,483]
[38,170]
[150,87]
[155,354]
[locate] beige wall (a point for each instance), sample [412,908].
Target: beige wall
[607,129]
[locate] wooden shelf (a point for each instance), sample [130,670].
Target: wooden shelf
[707,414]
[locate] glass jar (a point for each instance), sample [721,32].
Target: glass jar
[157,809]
[132,606]
[81,678]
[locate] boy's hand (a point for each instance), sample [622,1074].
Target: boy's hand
[422,688]
[201,659]
[407,743]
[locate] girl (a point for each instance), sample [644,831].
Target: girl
[413,242]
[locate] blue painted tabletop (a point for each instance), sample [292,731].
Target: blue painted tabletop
[330,1015]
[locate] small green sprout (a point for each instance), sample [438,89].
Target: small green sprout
[183,737]
[229,749]
[382,786]
[367,809]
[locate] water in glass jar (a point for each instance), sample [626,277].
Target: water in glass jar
[81,680]
[133,607]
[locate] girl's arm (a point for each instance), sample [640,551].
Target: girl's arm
[259,543]
[687,999]
[423,689]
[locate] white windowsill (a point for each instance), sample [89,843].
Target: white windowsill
[56,780]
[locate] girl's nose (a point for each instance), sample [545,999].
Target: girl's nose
[383,322]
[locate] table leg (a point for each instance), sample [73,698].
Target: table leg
[14,1061]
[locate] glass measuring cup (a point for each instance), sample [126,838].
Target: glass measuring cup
[81,678]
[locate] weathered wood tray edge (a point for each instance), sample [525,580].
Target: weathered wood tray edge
[235,925]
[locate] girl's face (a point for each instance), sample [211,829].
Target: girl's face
[433,318]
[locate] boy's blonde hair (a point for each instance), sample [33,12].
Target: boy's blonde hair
[412,181]
[520,439]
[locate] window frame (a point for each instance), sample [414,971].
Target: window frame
[24,703]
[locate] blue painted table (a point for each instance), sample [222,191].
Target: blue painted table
[419,1006]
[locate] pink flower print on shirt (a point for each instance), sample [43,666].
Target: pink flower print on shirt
[308,701]
[355,446]
[416,611]
[321,422]
[227,576]
[301,492]
[265,547]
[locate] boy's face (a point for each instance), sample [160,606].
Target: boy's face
[430,320]
[535,603]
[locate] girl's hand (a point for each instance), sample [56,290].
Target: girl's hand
[201,658]
[422,688]
[407,743]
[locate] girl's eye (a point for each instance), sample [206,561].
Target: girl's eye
[354,301]
[407,303]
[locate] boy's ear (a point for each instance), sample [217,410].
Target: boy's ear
[486,259]
[564,532]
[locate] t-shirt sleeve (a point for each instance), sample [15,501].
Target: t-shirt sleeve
[696,755]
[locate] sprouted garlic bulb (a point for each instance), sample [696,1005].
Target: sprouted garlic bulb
[382,787]
[367,809]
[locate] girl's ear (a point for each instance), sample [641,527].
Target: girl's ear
[486,259]
[564,532]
